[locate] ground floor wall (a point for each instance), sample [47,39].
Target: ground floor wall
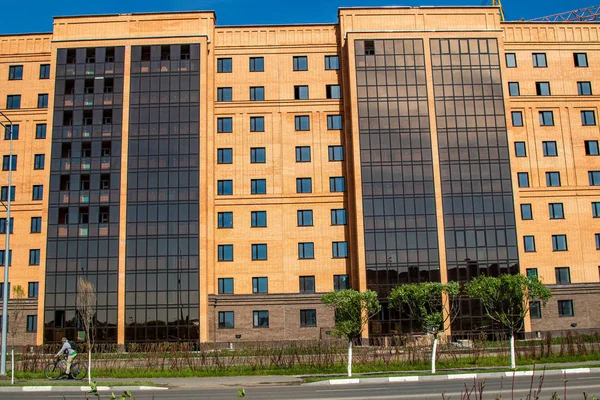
[284,317]
[585,298]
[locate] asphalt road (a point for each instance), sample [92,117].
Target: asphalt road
[453,390]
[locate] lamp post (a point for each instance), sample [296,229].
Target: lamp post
[6,249]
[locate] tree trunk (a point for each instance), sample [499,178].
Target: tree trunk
[433,353]
[350,357]
[513,364]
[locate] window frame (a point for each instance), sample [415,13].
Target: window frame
[512,57]
[224,322]
[561,308]
[553,177]
[300,63]
[576,60]
[302,123]
[225,220]
[304,218]
[523,207]
[520,149]
[556,209]
[560,273]
[257,252]
[300,184]
[547,146]
[338,279]
[224,94]
[224,124]
[257,93]
[526,248]
[258,284]
[223,253]
[588,148]
[340,249]
[12,72]
[44,71]
[543,118]
[302,283]
[223,285]
[255,219]
[537,57]
[583,87]
[224,65]
[328,66]
[336,153]
[258,186]
[308,318]
[514,89]
[585,118]
[306,250]
[520,114]
[258,316]
[253,64]
[301,152]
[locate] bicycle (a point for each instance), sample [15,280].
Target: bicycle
[57,369]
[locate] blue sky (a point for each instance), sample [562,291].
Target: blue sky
[36,15]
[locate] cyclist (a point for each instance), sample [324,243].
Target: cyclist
[70,352]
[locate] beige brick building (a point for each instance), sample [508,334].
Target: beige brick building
[213,182]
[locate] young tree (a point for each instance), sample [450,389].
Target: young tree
[431,304]
[507,299]
[86,306]
[352,312]
[16,313]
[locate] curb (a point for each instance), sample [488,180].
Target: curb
[77,388]
[433,378]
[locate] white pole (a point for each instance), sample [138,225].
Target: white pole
[433,351]
[6,252]
[513,364]
[12,364]
[89,371]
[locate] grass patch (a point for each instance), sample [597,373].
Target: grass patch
[499,362]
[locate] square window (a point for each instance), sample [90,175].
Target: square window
[302,122]
[307,284]
[13,101]
[38,161]
[15,72]
[36,224]
[225,187]
[223,64]
[337,184]
[258,186]
[333,91]
[225,219]
[334,122]
[556,211]
[341,282]
[526,213]
[594,178]
[588,118]
[591,148]
[336,153]
[259,252]
[2,256]
[306,251]
[565,308]
[304,185]
[225,125]
[563,275]
[302,153]
[542,88]
[535,310]
[45,71]
[559,243]
[257,64]
[8,163]
[4,193]
[224,94]
[584,88]
[305,218]
[260,285]
[33,289]
[511,60]
[258,155]
[513,89]
[517,118]
[520,150]
[257,124]
[260,319]
[224,156]
[580,59]
[546,118]
[42,101]
[529,243]
[226,320]
[532,272]
[523,179]
[338,216]
[539,60]
[332,62]
[11,130]
[308,318]
[300,63]
[32,323]
[38,192]
[549,149]
[225,285]
[3,225]
[552,179]
[34,257]
[257,93]
[301,92]
[225,252]
[258,219]
[340,249]
[596,209]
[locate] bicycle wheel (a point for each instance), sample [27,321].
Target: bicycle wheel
[52,371]
[78,370]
